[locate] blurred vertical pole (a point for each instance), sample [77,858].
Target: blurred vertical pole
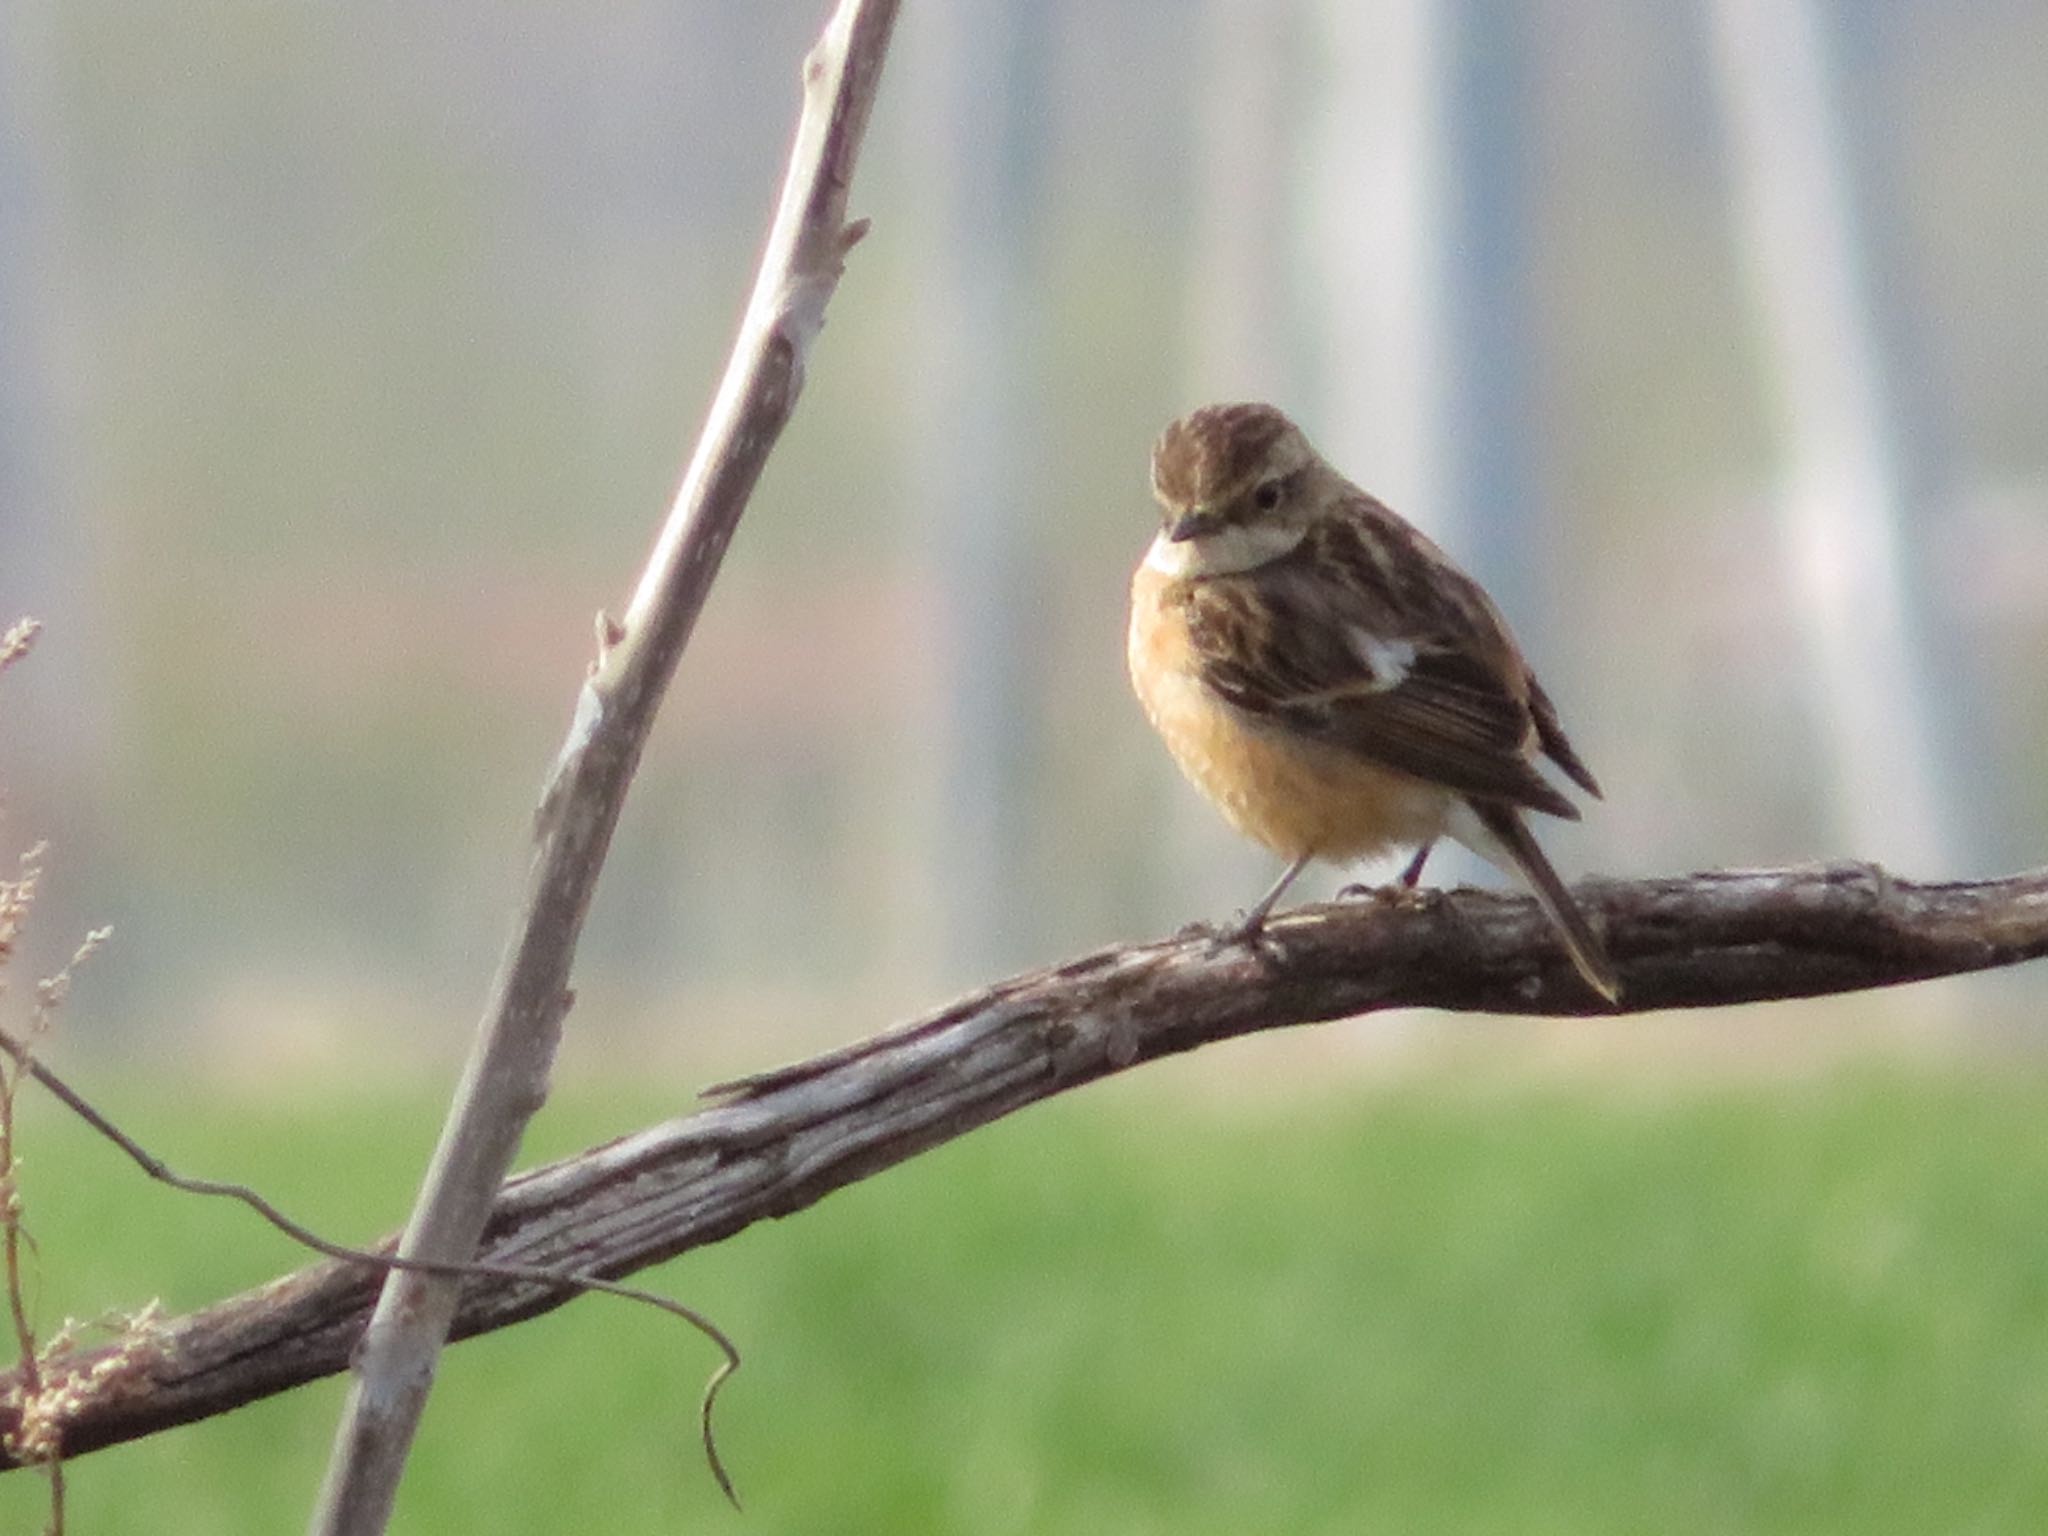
[56,750]
[41,565]
[26,527]
[1418,240]
[1491,466]
[1924,433]
[1419,237]
[1373,235]
[1843,508]
[975,88]
[633,55]
[1239,320]
[1240,336]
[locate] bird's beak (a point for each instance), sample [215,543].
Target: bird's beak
[1191,524]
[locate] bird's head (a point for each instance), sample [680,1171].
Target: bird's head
[1234,485]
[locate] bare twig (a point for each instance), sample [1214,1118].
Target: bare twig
[567,1280]
[786,1138]
[30,1440]
[506,1079]
[34,1437]
[18,640]
[24,1438]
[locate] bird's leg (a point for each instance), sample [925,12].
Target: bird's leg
[1402,885]
[1248,927]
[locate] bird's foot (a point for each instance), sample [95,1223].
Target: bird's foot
[1247,930]
[1393,894]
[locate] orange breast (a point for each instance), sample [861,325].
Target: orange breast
[1296,797]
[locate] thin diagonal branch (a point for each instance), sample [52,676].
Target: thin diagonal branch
[782,1140]
[506,1079]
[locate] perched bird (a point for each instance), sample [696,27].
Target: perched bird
[1323,673]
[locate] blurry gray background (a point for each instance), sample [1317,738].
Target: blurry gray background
[348,354]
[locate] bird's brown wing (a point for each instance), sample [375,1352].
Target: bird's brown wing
[1366,640]
[1556,745]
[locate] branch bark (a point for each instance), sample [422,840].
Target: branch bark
[775,1143]
[506,1078]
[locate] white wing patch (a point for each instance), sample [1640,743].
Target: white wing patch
[1387,661]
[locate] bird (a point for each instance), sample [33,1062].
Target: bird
[1325,674]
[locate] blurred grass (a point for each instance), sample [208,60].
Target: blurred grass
[1810,1307]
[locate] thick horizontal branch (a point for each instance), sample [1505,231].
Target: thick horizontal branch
[775,1143]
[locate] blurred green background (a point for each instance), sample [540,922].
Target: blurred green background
[1480,1305]
[348,356]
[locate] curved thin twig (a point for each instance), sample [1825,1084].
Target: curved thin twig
[568,1281]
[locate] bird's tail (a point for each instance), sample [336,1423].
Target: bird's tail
[1510,844]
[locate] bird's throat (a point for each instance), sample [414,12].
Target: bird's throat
[1224,552]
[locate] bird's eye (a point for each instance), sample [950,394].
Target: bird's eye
[1267,496]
